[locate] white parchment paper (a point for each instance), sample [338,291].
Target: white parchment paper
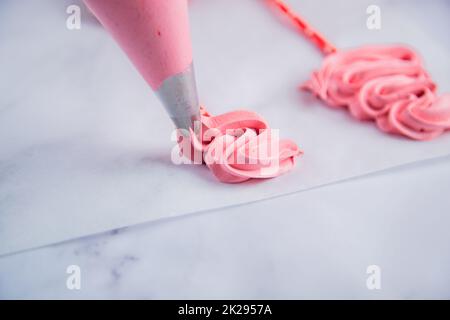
[85,145]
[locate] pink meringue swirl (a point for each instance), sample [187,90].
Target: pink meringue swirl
[239,145]
[386,84]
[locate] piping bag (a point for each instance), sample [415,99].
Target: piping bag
[387,84]
[155,36]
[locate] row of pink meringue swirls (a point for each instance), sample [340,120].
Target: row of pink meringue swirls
[386,84]
[231,146]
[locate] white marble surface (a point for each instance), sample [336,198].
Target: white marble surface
[314,244]
[76,159]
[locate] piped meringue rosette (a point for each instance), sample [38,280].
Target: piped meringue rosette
[238,146]
[386,84]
